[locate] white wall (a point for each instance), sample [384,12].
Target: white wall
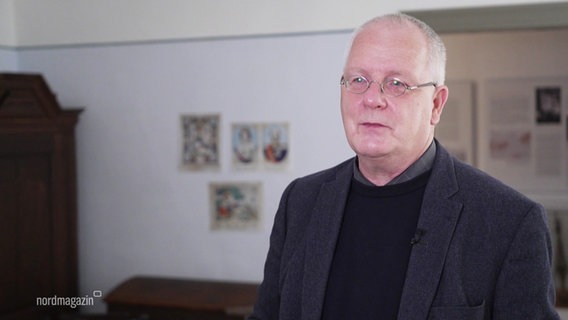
[7,23]
[56,22]
[8,56]
[8,60]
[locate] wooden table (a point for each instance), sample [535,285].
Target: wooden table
[183,299]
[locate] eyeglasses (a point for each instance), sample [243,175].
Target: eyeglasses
[390,86]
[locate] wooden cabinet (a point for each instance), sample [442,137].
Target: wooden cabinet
[38,209]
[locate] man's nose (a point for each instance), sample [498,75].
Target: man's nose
[374,96]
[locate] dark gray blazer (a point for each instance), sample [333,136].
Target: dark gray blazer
[484,252]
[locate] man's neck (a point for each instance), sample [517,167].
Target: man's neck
[381,177]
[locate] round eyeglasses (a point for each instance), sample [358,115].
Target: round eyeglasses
[390,86]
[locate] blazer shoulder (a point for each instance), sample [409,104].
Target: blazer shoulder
[491,192]
[481,180]
[302,192]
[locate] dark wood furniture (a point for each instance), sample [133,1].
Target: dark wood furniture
[38,245]
[181,299]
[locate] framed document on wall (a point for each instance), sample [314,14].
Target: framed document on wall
[526,142]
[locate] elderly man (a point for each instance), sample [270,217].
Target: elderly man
[403,230]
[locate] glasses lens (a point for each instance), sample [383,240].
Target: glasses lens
[394,87]
[357,84]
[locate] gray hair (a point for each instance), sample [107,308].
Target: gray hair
[436,47]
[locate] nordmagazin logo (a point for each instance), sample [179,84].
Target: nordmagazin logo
[71,302]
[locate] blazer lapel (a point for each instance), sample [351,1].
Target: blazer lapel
[437,222]
[322,237]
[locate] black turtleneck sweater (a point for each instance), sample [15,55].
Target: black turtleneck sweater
[373,249]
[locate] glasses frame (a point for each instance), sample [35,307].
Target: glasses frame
[344,83]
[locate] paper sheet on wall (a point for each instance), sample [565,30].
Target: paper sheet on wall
[528,136]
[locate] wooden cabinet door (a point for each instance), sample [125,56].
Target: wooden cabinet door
[26,226]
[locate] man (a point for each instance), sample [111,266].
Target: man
[403,230]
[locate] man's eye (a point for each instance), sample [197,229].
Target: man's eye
[396,83]
[358,80]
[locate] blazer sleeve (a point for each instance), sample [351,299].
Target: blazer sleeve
[267,305]
[525,287]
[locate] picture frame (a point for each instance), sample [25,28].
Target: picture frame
[245,141]
[260,146]
[235,205]
[275,145]
[200,140]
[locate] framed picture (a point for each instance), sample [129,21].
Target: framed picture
[245,139]
[275,145]
[235,205]
[200,141]
[548,104]
[260,145]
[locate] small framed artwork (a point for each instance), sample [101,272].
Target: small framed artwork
[275,145]
[200,141]
[548,104]
[235,205]
[245,145]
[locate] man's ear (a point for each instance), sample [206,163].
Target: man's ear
[440,98]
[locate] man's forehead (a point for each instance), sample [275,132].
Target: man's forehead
[390,48]
[386,27]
